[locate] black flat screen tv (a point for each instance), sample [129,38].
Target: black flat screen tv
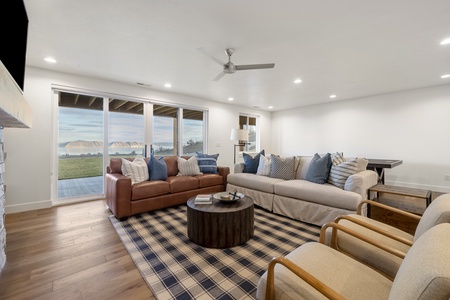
[14,34]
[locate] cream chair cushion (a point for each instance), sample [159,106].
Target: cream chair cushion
[340,272]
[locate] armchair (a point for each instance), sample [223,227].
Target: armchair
[316,271]
[437,212]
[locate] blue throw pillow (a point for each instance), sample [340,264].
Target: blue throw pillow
[207,162]
[251,163]
[319,169]
[157,168]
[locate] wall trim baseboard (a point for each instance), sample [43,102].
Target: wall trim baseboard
[434,188]
[15,208]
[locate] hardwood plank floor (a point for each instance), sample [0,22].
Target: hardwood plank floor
[68,252]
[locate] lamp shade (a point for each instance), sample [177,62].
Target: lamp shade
[239,135]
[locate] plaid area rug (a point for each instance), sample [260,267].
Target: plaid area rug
[176,268]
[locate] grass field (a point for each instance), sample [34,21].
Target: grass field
[81,166]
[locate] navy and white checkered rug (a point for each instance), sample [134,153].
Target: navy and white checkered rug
[176,268]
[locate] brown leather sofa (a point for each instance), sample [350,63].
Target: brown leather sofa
[124,199]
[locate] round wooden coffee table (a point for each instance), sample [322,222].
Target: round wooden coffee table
[220,225]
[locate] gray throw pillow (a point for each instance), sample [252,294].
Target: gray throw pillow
[319,169]
[282,167]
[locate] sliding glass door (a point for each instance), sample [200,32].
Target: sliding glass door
[92,129]
[80,146]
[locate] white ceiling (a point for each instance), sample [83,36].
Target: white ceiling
[351,48]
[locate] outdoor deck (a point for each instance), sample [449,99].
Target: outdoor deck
[70,188]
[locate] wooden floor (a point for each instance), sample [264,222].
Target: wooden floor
[68,252]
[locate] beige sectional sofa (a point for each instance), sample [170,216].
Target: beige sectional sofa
[301,199]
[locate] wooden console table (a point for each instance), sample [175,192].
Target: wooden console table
[380,164]
[408,199]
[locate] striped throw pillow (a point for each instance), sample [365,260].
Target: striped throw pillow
[282,167]
[137,170]
[337,158]
[188,166]
[339,173]
[207,163]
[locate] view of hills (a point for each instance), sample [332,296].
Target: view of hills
[96,144]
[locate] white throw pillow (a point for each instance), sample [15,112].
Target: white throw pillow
[264,166]
[188,167]
[137,170]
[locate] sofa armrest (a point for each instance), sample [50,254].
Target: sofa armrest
[361,182]
[118,194]
[239,168]
[224,171]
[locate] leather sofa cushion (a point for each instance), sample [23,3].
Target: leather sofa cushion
[172,164]
[206,180]
[182,183]
[148,189]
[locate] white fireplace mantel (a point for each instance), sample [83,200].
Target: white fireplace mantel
[14,109]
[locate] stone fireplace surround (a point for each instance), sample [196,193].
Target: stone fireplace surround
[15,112]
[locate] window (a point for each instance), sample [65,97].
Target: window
[166,128]
[251,124]
[193,131]
[126,128]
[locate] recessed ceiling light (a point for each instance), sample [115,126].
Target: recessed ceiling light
[332,96]
[168,85]
[445,42]
[445,76]
[230,99]
[50,60]
[270,107]
[297,80]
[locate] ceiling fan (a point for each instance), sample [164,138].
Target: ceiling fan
[229,67]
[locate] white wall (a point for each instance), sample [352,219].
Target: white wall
[29,157]
[413,126]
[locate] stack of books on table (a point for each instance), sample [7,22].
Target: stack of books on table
[203,199]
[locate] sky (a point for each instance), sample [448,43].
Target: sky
[87,125]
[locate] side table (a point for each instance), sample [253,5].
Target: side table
[407,199]
[220,225]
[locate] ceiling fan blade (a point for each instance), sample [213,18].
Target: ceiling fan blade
[220,75]
[251,67]
[210,55]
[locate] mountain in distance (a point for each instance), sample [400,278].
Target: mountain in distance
[97,144]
